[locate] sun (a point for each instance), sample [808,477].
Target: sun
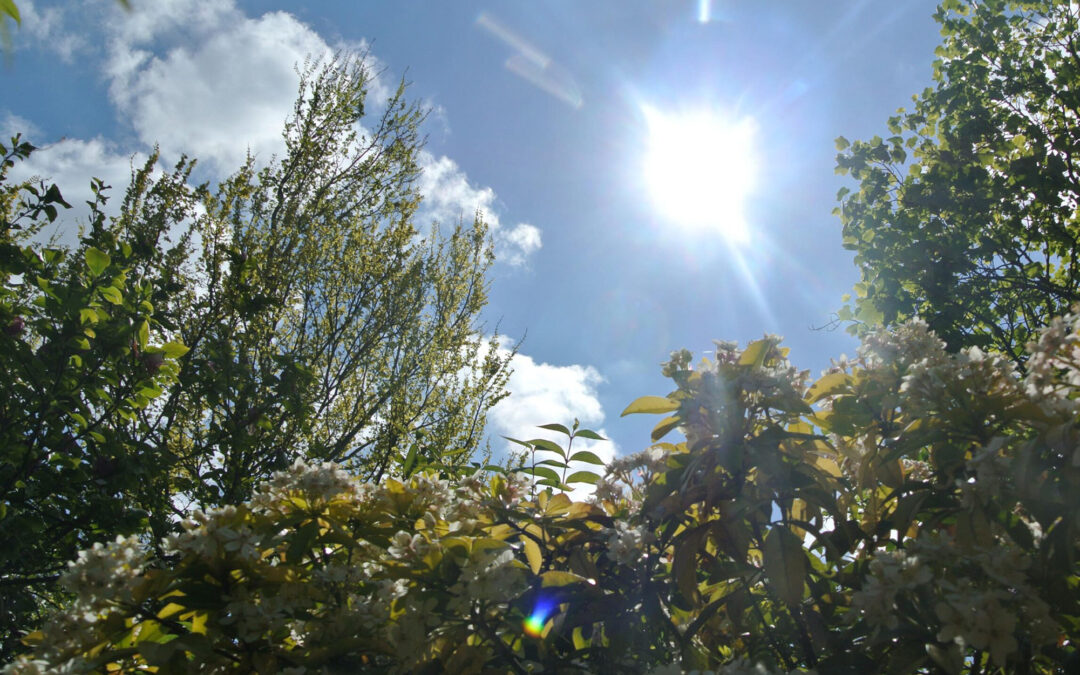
[700,168]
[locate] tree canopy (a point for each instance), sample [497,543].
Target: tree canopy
[966,215]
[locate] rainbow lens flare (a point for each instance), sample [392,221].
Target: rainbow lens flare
[534,625]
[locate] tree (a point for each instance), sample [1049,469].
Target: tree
[967,215]
[310,316]
[911,511]
[83,355]
[323,322]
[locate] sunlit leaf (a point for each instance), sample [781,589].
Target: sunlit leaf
[174,350]
[97,260]
[755,353]
[828,385]
[653,405]
[532,554]
[664,426]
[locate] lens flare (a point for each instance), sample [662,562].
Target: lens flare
[534,625]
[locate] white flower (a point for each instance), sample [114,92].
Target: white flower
[626,544]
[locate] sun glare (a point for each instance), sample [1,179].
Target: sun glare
[699,168]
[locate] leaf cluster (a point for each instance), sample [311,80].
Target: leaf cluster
[966,214]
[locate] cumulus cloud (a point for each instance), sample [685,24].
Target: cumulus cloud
[542,393]
[203,79]
[206,80]
[449,197]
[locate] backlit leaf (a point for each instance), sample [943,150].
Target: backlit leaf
[652,405]
[785,564]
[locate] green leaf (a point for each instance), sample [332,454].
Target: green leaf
[586,456]
[551,462]
[143,334]
[540,471]
[8,7]
[583,477]
[590,434]
[410,460]
[174,350]
[545,444]
[684,564]
[785,564]
[301,541]
[652,405]
[556,427]
[112,295]
[96,260]
[558,578]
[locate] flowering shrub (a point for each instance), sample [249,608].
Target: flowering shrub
[911,511]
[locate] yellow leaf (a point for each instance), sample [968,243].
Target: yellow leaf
[169,610]
[532,553]
[557,505]
[653,405]
[664,426]
[828,385]
[755,353]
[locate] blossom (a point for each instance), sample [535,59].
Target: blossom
[626,544]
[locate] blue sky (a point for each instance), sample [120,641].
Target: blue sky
[539,119]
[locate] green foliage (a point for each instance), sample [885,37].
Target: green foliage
[322,322]
[84,357]
[966,214]
[917,517]
[8,9]
[546,472]
[204,339]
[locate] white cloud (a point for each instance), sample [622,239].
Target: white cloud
[542,393]
[223,86]
[203,79]
[11,124]
[45,26]
[517,244]
[449,197]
